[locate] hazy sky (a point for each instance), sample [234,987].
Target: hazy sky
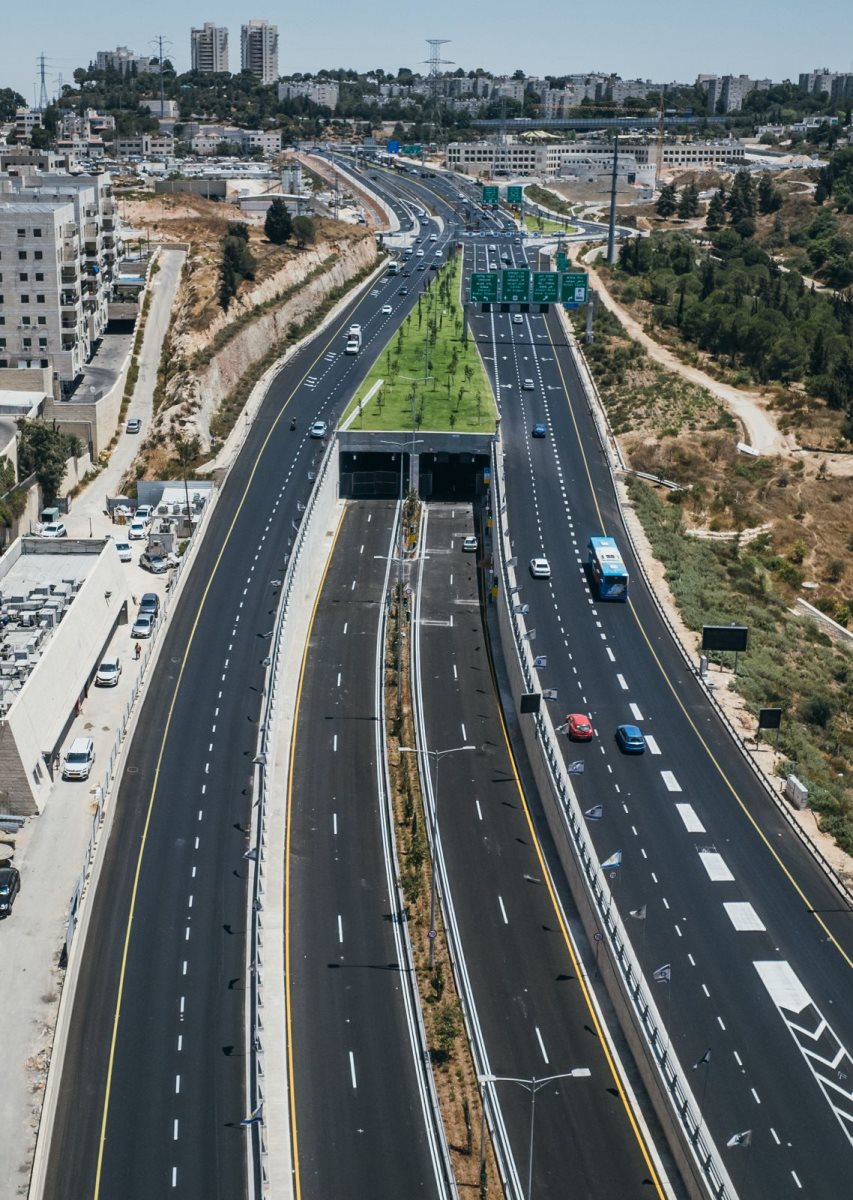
[775,38]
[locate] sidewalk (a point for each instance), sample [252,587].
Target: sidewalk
[50,848]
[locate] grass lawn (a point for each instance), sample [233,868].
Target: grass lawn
[546,225]
[426,376]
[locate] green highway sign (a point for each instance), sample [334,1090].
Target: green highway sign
[546,287]
[484,287]
[562,261]
[513,195]
[490,195]
[574,287]
[515,286]
[414,151]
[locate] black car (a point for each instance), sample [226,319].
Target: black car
[150,604]
[403,291]
[10,885]
[421,267]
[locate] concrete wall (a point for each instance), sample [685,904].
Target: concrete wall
[94,421]
[37,722]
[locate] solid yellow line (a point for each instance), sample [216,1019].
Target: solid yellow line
[546,874]
[290,1069]
[138,871]
[741,804]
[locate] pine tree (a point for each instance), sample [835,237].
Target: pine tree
[769,196]
[667,201]
[688,202]
[278,226]
[716,217]
[741,202]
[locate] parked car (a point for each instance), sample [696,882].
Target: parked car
[109,672]
[10,885]
[123,550]
[143,626]
[54,530]
[579,727]
[133,426]
[138,530]
[470,544]
[150,603]
[540,568]
[318,430]
[155,563]
[143,513]
[630,740]
[79,759]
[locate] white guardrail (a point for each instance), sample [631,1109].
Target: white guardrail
[610,446]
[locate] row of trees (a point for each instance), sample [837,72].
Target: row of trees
[737,303]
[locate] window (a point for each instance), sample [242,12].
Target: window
[39,276]
[25,320]
[23,277]
[39,298]
[25,299]
[41,320]
[2,343]
[22,233]
[22,256]
[42,343]
[36,233]
[38,254]
[27,343]
[45,362]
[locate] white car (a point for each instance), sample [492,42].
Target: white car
[470,544]
[517,319]
[54,530]
[123,550]
[386,310]
[143,513]
[433,237]
[438,254]
[108,672]
[540,568]
[318,430]
[419,252]
[138,530]
[527,385]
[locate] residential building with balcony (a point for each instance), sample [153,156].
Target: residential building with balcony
[209,49]
[323,92]
[259,50]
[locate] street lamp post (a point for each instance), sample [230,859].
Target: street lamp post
[437,756]
[533,1086]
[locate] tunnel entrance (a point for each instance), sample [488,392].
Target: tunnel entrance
[373,476]
[452,476]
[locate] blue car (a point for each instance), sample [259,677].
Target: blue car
[630,739]
[539,430]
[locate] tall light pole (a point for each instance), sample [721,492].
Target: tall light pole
[531,1085]
[437,756]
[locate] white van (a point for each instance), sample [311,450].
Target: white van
[79,759]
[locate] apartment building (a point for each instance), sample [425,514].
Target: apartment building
[323,92]
[58,255]
[146,145]
[259,50]
[26,119]
[817,81]
[209,49]
[121,59]
[726,93]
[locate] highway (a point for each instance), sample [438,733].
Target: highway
[152,1091]
[358,1120]
[531,993]
[758,946]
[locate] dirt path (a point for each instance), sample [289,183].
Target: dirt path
[761,431]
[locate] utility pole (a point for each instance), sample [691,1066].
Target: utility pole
[435,63]
[42,104]
[160,42]
[611,230]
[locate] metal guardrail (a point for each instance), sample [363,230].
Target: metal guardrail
[682,1105]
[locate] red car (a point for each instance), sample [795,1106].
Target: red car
[579,727]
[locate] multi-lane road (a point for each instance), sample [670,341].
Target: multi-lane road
[759,947]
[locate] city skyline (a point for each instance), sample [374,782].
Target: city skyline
[768,40]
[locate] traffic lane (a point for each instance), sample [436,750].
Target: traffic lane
[530,1005]
[534,531]
[359,1122]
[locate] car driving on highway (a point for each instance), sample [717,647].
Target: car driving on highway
[630,740]
[579,727]
[470,543]
[540,568]
[318,430]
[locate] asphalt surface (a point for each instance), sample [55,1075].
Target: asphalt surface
[531,997]
[360,1126]
[775,1032]
[172,891]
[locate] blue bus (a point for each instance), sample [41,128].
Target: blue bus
[609,575]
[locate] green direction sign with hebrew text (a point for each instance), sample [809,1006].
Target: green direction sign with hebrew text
[490,195]
[574,287]
[513,195]
[546,287]
[515,286]
[484,288]
[562,261]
